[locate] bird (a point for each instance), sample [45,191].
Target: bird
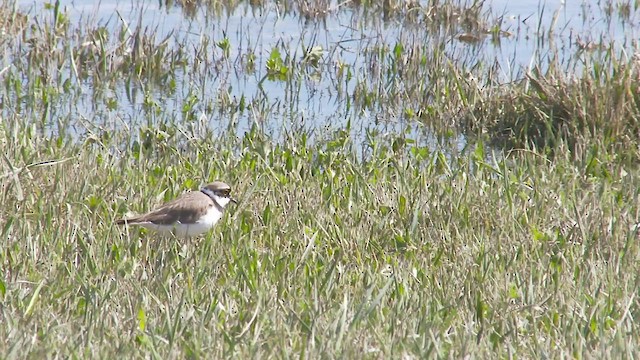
[191,214]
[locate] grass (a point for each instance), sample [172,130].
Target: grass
[342,245]
[544,110]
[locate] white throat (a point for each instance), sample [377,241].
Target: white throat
[222,201]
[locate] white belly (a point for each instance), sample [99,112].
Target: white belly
[186,230]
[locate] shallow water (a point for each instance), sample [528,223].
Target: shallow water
[319,101]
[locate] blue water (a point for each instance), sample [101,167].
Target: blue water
[576,26]
[318,101]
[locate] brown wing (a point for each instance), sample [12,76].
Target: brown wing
[186,209]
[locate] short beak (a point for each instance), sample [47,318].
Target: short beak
[233,200]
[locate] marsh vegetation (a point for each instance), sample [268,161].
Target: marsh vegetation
[403,193]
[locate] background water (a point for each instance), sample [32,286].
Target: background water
[534,33]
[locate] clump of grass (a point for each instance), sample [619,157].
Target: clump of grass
[12,22]
[552,108]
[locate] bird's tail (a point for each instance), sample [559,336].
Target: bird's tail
[129,221]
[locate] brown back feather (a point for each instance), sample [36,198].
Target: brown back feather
[186,209]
